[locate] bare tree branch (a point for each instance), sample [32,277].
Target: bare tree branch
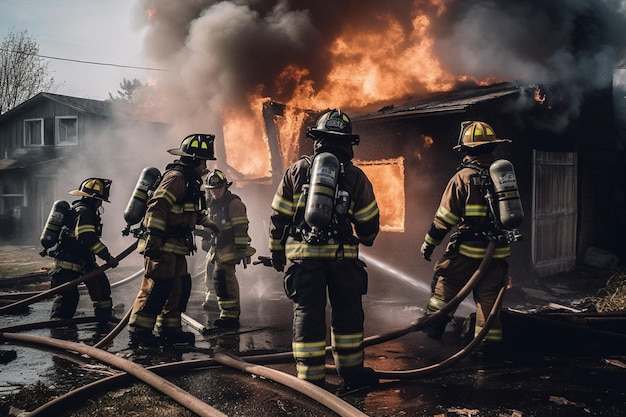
[22,72]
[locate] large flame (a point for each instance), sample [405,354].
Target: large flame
[230,57]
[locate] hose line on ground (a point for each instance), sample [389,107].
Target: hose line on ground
[312,391]
[160,384]
[49,293]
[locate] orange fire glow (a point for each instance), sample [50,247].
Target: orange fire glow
[540,96]
[387,177]
[374,66]
[245,141]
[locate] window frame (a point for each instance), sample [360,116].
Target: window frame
[27,142]
[57,131]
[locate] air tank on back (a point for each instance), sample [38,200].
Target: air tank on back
[52,229]
[508,199]
[321,200]
[137,205]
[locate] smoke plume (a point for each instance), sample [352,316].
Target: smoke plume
[222,53]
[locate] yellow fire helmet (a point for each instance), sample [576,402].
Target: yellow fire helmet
[95,188]
[475,134]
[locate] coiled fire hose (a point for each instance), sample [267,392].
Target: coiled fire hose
[49,293]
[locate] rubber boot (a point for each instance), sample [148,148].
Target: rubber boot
[179,338]
[141,338]
[363,379]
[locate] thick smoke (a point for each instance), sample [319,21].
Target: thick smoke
[571,46]
[222,52]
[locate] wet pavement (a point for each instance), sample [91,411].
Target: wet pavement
[548,369]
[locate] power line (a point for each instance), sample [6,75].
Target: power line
[85,62]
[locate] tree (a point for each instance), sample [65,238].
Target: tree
[141,100]
[23,73]
[127,91]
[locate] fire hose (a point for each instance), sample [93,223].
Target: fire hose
[419,324]
[160,384]
[85,277]
[310,390]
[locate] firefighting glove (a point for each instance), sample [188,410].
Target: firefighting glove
[240,255]
[213,227]
[153,247]
[427,250]
[112,261]
[279,260]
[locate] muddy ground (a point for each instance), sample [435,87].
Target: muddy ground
[549,370]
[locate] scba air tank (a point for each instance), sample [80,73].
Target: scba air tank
[320,203]
[507,194]
[52,229]
[137,205]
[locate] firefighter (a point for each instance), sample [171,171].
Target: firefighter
[464,206]
[230,248]
[172,213]
[325,257]
[77,250]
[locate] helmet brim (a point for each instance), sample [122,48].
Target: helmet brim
[487,142]
[317,134]
[84,194]
[178,152]
[211,187]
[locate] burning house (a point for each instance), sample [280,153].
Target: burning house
[408,73]
[567,183]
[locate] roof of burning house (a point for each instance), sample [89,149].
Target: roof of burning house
[453,101]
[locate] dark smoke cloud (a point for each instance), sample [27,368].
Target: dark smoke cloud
[223,51]
[572,44]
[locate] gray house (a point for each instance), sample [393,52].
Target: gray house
[49,144]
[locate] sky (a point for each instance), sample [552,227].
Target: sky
[84,30]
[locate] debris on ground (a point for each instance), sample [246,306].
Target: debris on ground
[611,298]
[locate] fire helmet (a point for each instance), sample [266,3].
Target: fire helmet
[216,179]
[196,146]
[475,134]
[95,188]
[334,124]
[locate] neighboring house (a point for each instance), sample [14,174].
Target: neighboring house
[51,142]
[568,179]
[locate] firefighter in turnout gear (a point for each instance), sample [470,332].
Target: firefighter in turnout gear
[464,206]
[77,250]
[229,248]
[318,204]
[172,213]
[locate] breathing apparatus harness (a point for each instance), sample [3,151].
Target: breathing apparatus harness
[321,214]
[147,184]
[503,200]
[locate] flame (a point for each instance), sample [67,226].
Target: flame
[151,13]
[387,178]
[540,96]
[369,67]
[245,140]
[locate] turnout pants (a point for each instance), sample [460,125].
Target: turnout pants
[307,283]
[163,295]
[222,279]
[451,274]
[65,303]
